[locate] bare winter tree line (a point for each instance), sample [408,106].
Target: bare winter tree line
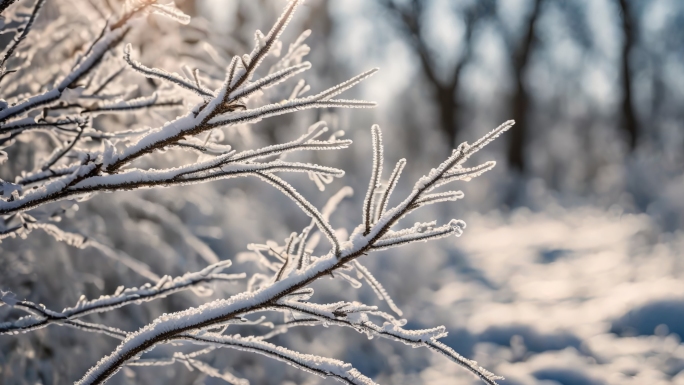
[63,100]
[637,58]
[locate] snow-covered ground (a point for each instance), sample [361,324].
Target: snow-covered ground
[563,296]
[569,297]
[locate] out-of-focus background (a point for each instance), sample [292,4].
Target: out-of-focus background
[570,271]
[596,89]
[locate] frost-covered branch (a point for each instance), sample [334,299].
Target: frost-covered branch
[190,361]
[377,287]
[375,178]
[99,49]
[220,111]
[106,170]
[421,232]
[25,124]
[81,180]
[141,103]
[270,80]
[190,124]
[43,317]
[94,328]
[391,184]
[80,241]
[166,76]
[307,207]
[20,36]
[357,318]
[61,151]
[305,142]
[321,366]
[177,325]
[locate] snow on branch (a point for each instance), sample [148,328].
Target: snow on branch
[420,232]
[82,181]
[302,254]
[335,314]
[321,366]
[44,175]
[340,88]
[171,11]
[307,207]
[304,142]
[375,178]
[95,328]
[377,287]
[184,323]
[270,80]
[20,37]
[448,171]
[465,174]
[30,123]
[132,105]
[103,171]
[98,51]
[263,46]
[449,196]
[69,85]
[275,109]
[391,184]
[193,364]
[123,296]
[163,75]
[204,147]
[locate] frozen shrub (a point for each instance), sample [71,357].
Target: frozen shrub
[88,160]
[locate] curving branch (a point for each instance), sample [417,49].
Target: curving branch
[98,51]
[390,330]
[180,324]
[156,73]
[82,181]
[21,36]
[166,286]
[321,366]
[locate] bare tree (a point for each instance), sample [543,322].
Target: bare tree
[629,31]
[445,87]
[520,102]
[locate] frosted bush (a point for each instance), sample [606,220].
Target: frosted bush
[69,101]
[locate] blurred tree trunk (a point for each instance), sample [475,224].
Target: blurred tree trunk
[445,92]
[629,120]
[444,88]
[521,97]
